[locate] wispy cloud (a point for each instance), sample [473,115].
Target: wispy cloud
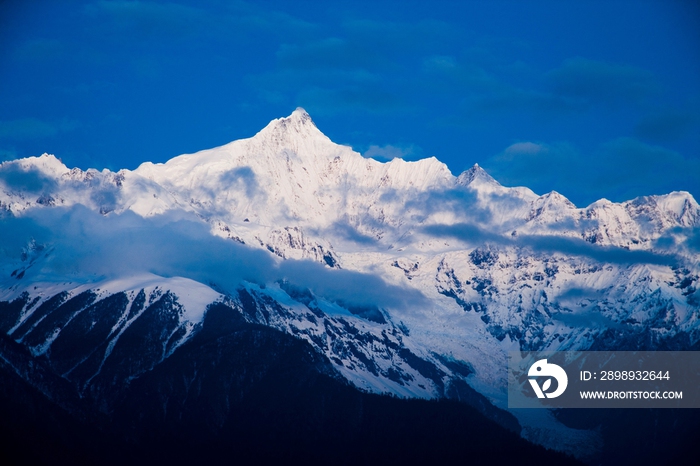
[327,53]
[150,19]
[667,125]
[598,82]
[86,245]
[345,70]
[475,235]
[32,181]
[579,175]
[389,152]
[8,154]
[242,178]
[350,98]
[462,202]
[34,128]
[343,229]
[525,148]
[39,49]
[168,21]
[578,84]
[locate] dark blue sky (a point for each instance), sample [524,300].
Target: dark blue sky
[592,99]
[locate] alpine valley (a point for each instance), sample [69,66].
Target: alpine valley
[284,297]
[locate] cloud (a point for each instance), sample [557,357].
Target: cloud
[469,233]
[34,128]
[448,74]
[647,169]
[692,240]
[327,91]
[474,235]
[541,167]
[599,82]
[586,319]
[39,49]
[440,63]
[327,53]
[290,80]
[606,254]
[330,76]
[242,177]
[256,17]
[168,21]
[29,181]
[8,154]
[349,98]
[525,148]
[667,126]
[343,229]
[535,103]
[401,38]
[462,202]
[619,170]
[146,19]
[578,294]
[486,84]
[483,88]
[388,152]
[84,245]
[350,68]
[348,287]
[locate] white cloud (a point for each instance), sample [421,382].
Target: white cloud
[389,152]
[525,148]
[85,246]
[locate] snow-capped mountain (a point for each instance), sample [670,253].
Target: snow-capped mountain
[406,279]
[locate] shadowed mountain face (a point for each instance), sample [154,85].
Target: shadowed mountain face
[268,290]
[243,392]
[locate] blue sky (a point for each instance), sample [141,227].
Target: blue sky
[592,99]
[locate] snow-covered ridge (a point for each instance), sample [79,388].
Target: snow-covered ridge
[291,175]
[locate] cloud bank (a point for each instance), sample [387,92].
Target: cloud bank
[550,244]
[80,244]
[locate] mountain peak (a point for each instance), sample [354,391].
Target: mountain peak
[553,198]
[295,127]
[475,173]
[298,119]
[550,207]
[48,164]
[302,115]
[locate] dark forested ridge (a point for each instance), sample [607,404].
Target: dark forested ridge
[239,393]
